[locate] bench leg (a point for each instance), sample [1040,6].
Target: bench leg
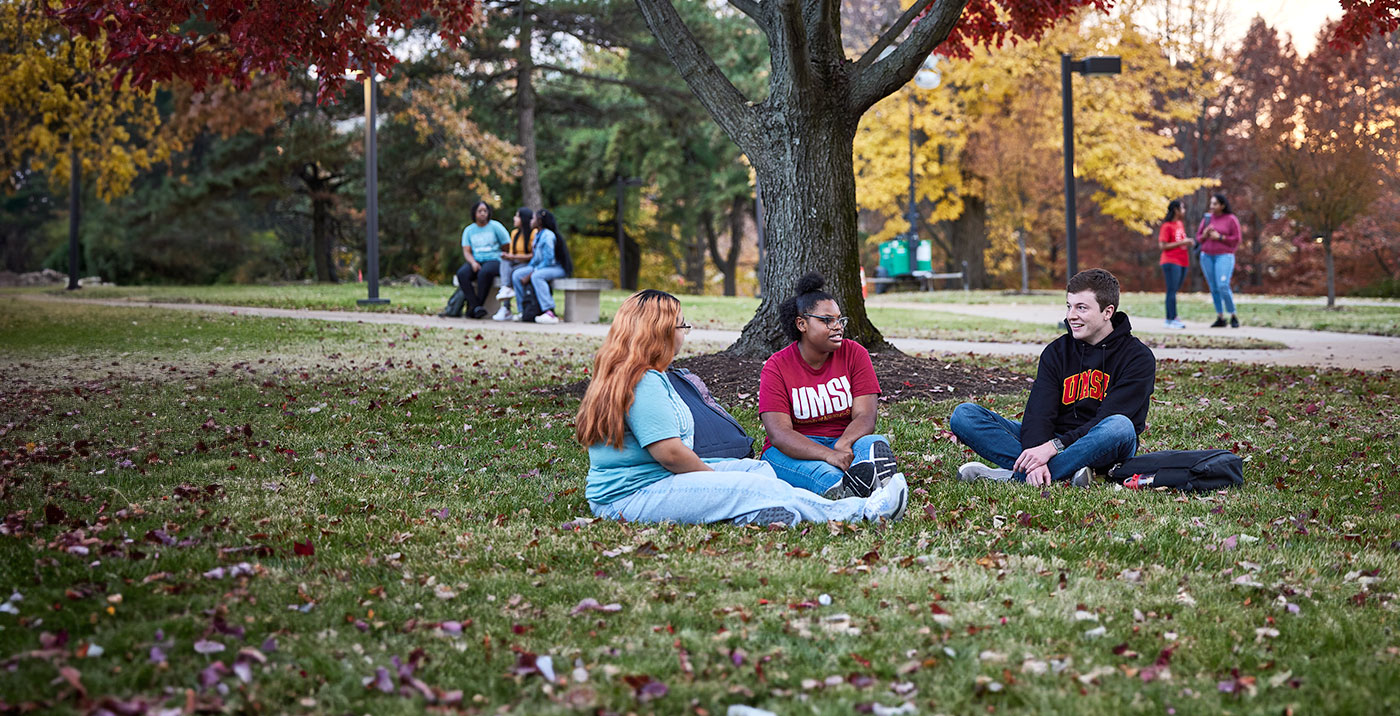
[581,306]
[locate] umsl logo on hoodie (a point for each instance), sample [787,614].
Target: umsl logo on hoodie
[821,401]
[1089,384]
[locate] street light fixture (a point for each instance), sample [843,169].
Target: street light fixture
[371,192]
[1089,67]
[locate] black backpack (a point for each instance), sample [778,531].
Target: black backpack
[1185,470]
[717,433]
[527,303]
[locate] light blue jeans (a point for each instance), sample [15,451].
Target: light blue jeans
[745,491]
[1219,268]
[815,475]
[997,439]
[539,278]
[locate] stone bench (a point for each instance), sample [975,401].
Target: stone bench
[581,297]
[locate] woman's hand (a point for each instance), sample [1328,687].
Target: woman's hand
[840,457]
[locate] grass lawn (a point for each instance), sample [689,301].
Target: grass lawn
[711,312]
[1368,315]
[256,515]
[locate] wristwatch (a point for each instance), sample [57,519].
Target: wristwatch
[1059,446]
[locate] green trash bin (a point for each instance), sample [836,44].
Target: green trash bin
[894,257]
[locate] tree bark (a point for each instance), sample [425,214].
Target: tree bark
[75,183]
[728,263]
[695,254]
[320,189]
[800,140]
[532,194]
[1331,269]
[969,242]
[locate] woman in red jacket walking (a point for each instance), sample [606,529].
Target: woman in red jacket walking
[1175,258]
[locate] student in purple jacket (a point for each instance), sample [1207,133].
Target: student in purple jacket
[1218,237]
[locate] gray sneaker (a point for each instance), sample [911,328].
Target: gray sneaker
[974,471]
[1083,477]
[888,500]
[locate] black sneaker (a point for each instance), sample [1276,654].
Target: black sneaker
[1234,322]
[860,479]
[479,312]
[1219,323]
[882,456]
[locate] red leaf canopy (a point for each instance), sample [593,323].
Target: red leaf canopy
[202,42]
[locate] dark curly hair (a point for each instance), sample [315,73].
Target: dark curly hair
[809,294]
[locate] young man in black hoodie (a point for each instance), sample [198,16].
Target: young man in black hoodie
[1088,404]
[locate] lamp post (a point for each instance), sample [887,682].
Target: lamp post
[926,78]
[1089,67]
[371,193]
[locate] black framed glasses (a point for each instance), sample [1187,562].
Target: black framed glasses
[840,321]
[684,327]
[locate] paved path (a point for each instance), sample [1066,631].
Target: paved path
[1316,348]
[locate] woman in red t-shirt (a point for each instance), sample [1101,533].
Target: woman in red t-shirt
[1175,257]
[818,398]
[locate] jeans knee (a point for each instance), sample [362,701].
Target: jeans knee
[962,418]
[1119,428]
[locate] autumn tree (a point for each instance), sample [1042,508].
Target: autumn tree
[993,141]
[66,113]
[1325,148]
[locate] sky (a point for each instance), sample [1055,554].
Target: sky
[1299,18]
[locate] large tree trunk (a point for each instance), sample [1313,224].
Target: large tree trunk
[800,139]
[809,203]
[530,190]
[75,184]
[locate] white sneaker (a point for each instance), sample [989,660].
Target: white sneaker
[502,314]
[517,317]
[1175,324]
[888,500]
[547,318]
[974,471]
[504,293]
[1083,477]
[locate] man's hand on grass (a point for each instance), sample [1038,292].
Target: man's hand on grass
[1038,477]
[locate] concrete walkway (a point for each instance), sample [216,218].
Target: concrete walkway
[1305,348]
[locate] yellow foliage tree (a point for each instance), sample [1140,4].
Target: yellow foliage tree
[992,133]
[61,110]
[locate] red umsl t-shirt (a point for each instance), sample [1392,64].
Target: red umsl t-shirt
[818,400]
[1173,231]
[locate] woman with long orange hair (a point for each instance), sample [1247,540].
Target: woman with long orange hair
[639,435]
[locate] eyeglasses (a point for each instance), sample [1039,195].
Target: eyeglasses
[840,321]
[684,327]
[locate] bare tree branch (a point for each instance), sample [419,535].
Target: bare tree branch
[640,87]
[891,34]
[725,103]
[754,9]
[882,78]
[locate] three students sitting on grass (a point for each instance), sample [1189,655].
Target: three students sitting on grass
[818,400]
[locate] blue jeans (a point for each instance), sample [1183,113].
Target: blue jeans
[539,278]
[815,475]
[1218,269]
[1174,275]
[997,439]
[745,491]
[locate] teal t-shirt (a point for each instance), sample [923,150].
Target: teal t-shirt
[657,413]
[485,241]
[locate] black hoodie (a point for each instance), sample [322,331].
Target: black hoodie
[1077,385]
